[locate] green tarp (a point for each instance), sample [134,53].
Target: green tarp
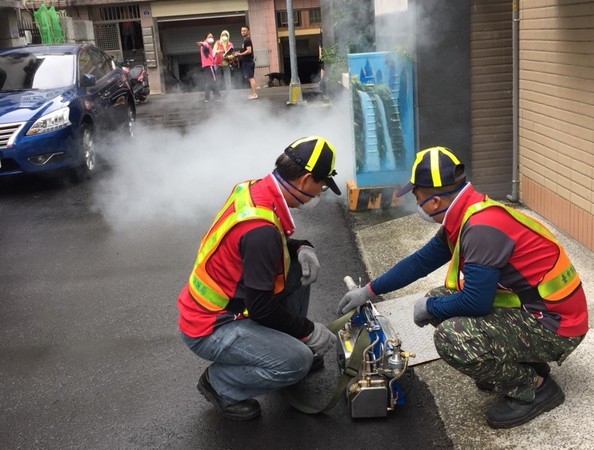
[48,23]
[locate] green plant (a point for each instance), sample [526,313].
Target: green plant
[335,63]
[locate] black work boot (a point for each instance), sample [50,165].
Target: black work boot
[243,410]
[510,412]
[541,368]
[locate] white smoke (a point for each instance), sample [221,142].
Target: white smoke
[163,176]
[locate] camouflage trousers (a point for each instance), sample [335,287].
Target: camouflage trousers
[494,348]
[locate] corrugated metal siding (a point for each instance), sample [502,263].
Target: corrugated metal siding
[491,96]
[556,135]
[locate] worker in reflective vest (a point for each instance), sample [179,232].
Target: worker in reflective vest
[513,300]
[245,304]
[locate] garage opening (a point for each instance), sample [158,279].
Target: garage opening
[308,57]
[181,53]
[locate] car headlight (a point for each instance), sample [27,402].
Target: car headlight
[51,122]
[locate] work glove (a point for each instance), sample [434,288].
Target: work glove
[321,340]
[310,266]
[421,315]
[355,298]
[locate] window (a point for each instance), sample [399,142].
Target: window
[315,16]
[25,70]
[283,22]
[102,64]
[93,62]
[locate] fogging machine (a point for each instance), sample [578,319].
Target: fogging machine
[371,361]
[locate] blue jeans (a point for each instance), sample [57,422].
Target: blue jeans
[249,359]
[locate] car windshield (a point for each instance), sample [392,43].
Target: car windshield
[25,71]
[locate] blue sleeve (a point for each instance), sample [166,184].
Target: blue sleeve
[427,259]
[475,298]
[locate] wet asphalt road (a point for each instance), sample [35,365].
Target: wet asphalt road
[89,348]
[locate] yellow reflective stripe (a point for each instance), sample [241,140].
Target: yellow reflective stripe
[207,293]
[236,190]
[434,165]
[418,160]
[506,300]
[240,216]
[216,235]
[240,195]
[568,275]
[317,151]
[450,154]
[315,155]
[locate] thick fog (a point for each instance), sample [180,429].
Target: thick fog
[163,176]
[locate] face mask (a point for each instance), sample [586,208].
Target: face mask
[284,182]
[429,217]
[210,40]
[310,204]
[423,215]
[224,38]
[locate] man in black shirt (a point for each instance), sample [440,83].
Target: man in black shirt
[247,61]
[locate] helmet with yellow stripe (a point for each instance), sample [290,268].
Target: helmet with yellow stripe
[316,155]
[434,167]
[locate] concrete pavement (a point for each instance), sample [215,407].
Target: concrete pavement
[181,110]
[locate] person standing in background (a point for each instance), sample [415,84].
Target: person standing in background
[223,51]
[208,67]
[247,61]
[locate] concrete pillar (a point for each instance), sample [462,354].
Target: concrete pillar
[68,29]
[83,31]
[9,28]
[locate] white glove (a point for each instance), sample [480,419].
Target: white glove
[310,266]
[421,315]
[321,340]
[355,298]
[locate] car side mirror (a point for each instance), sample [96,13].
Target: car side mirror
[87,80]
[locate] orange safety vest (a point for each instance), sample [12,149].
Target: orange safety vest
[559,282]
[238,208]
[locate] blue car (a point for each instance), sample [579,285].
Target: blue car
[55,100]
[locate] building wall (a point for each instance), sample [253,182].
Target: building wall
[262,22]
[442,54]
[173,8]
[491,114]
[556,128]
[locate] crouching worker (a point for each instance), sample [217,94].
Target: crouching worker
[245,304]
[514,302]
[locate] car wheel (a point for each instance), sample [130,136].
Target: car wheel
[86,147]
